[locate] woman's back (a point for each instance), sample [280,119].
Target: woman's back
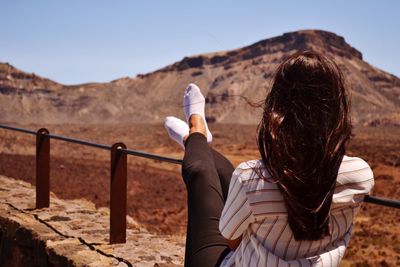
[255,210]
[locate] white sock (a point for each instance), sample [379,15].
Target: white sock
[194,103]
[177,129]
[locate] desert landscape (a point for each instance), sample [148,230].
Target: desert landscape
[131,110]
[157,194]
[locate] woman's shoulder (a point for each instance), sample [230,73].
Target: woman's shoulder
[350,164]
[355,177]
[250,164]
[354,168]
[251,170]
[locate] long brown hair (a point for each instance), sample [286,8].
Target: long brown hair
[302,138]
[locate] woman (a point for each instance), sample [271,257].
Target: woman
[296,205]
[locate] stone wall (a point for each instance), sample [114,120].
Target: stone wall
[73,233]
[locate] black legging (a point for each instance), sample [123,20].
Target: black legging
[206,174]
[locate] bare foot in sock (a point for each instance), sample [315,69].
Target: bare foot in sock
[177,129]
[194,104]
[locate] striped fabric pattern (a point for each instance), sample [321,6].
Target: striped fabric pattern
[256,211]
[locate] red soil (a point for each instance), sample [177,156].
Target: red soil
[157,195]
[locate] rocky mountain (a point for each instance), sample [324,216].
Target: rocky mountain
[229,79]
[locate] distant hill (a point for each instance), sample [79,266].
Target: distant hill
[226,78]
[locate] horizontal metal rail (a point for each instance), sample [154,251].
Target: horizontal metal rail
[79,141]
[151,156]
[118,176]
[369,199]
[383,201]
[22,130]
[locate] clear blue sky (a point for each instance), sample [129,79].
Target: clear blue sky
[76,41]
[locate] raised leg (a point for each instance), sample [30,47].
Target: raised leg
[224,169]
[205,246]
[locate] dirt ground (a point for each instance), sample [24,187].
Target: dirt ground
[156,192]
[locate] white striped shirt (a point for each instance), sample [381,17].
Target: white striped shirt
[256,211]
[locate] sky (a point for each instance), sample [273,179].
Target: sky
[78,41]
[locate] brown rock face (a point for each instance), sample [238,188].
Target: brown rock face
[12,79]
[227,79]
[294,41]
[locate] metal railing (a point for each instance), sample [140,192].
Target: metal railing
[118,176]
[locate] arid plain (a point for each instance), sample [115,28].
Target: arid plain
[156,192]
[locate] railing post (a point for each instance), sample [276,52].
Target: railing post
[42,168]
[118,194]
